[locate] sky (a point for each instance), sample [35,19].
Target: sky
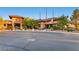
[35,12]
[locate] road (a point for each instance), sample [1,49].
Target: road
[38,41]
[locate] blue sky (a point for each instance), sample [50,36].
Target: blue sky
[34,11]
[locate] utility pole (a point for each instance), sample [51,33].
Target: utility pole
[46,12]
[52,12]
[40,15]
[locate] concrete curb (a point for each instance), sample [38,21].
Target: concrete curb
[44,31]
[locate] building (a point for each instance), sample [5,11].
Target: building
[15,22]
[1,24]
[45,23]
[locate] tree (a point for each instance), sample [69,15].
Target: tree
[75,16]
[1,19]
[75,13]
[62,22]
[31,23]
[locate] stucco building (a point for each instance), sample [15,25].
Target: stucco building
[15,22]
[45,23]
[1,24]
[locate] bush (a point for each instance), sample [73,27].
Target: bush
[70,29]
[9,27]
[54,27]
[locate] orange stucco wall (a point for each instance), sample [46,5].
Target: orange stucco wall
[1,25]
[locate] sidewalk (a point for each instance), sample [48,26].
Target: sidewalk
[56,31]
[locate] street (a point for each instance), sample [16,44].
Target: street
[38,41]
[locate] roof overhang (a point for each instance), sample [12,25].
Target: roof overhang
[15,16]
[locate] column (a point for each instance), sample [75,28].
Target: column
[21,26]
[13,26]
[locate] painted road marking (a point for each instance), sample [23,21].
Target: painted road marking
[31,39]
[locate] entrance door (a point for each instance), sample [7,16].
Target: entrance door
[17,26]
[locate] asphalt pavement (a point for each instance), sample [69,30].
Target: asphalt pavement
[38,41]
